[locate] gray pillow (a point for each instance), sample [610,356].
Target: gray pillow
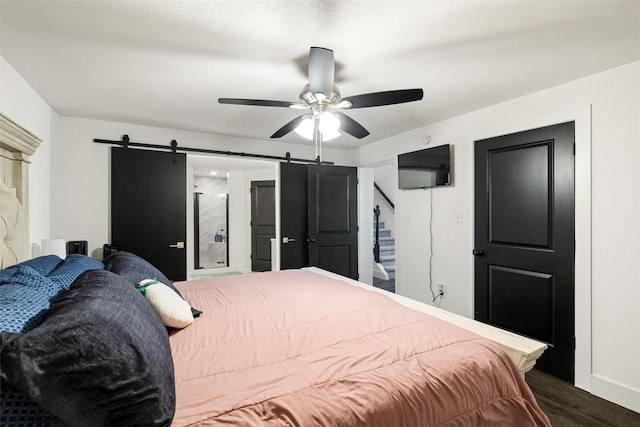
[135,269]
[100,357]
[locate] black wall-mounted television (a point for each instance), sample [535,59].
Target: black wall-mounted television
[426,168]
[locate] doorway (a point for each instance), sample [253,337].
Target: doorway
[238,173]
[210,221]
[525,239]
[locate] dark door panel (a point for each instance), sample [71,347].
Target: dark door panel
[519,194]
[294,226]
[263,223]
[337,259]
[531,292]
[148,207]
[524,239]
[333,219]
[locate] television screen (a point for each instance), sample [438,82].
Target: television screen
[426,168]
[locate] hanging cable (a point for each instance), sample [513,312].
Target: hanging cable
[438,297]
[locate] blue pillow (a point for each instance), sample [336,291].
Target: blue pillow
[43,265]
[27,289]
[101,357]
[25,296]
[74,265]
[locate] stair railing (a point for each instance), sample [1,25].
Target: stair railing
[384,196]
[376,213]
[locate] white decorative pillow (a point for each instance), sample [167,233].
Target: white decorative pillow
[172,309]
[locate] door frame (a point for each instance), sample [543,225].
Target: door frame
[582,118]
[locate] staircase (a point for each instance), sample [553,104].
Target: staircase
[387,250]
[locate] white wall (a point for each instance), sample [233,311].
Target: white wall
[365,225]
[606,108]
[20,103]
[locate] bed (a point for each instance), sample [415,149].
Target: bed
[292,348]
[306,347]
[83,343]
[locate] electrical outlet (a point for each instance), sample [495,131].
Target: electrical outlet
[441,291]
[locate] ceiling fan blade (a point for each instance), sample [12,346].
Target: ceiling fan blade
[321,70]
[259,102]
[289,126]
[390,97]
[350,126]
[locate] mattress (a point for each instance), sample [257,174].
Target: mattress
[296,348]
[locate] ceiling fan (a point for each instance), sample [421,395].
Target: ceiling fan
[323,98]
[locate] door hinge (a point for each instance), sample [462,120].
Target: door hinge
[574,342]
[574,148]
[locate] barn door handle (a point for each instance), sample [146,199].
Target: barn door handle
[288,240]
[478,252]
[178,245]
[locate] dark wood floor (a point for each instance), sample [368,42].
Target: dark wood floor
[387,285]
[566,405]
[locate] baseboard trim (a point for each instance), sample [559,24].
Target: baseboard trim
[616,393]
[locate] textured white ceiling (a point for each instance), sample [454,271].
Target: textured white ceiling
[165,63]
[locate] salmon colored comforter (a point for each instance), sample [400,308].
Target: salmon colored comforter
[295,348]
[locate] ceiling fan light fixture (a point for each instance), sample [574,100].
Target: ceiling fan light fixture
[327,127]
[328,123]
[329,135]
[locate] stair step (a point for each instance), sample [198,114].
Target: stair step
[387,241]
[382,233]
[391,269]
[387,259]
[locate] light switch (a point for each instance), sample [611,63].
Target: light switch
[405,217]
[457,216]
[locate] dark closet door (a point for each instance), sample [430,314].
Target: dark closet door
[263,223]
[333,218]
[524,239]
[148,207]
[294,225]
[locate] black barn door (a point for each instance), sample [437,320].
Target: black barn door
[148,207]
[294,225]
[263,223]
[524,239]
[333,218]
